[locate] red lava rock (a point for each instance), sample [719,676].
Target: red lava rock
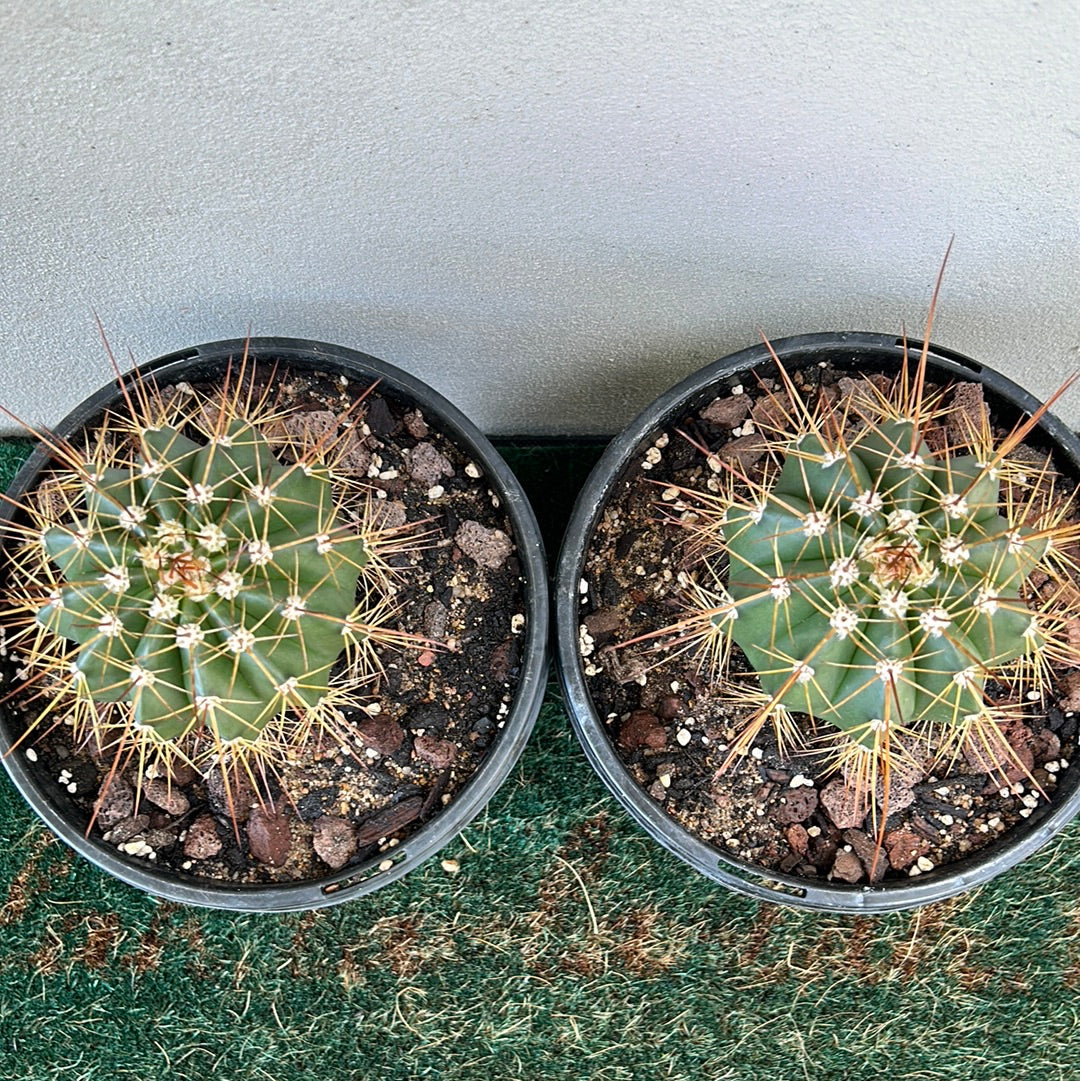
[334,840]
[166,796]
[438,752]
[427,465]
[489,547]
[353,458]
[798,838]
[726,412]
[968,414]
[160,840]
[1045,746]
[642,729]
[768,414]
[202,840]
[847,867]
[415,424]
[1001,752]
[116,802]
[822,851]
[901,795]
[1020,770]
[905,846]
[104,743]
[128,828]
[382,734]
[871,855]
[269,835]
[669,708]
[863,388]
[180,772]
[746,451]
[388,513]
[502,657]
[986,751]
[233,800]
[844,805]
[795,805]
[310,427]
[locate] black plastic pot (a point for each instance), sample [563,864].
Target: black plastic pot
[205,362]
[858,353]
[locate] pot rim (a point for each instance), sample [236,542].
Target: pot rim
[775,886]
[360,879]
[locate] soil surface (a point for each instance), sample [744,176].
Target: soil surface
[432,716]
[776,809]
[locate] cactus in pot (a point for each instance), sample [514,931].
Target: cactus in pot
[188,584]
[897,575]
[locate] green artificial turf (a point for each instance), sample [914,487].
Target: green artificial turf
[569,945]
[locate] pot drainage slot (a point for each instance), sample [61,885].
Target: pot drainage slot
[945,354]
[387,863]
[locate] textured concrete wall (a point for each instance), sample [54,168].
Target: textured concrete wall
[550,211]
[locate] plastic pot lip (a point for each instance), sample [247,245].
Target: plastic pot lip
[846,348]
[355,881]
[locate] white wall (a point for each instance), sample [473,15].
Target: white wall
[548,210]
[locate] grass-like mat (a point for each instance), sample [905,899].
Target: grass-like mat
[569,946]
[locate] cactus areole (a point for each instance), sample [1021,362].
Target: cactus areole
[206,585]
[877,583]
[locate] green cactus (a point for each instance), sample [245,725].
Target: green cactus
[200,581]
[876,584]
[208,585]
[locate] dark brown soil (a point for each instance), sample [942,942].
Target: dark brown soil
[434,714]
[778,810]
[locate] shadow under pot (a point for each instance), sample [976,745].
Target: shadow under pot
[236,584]
[816,622]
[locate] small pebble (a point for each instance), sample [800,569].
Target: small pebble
[682,737]
[386,865]
[451,867]
[924,863]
